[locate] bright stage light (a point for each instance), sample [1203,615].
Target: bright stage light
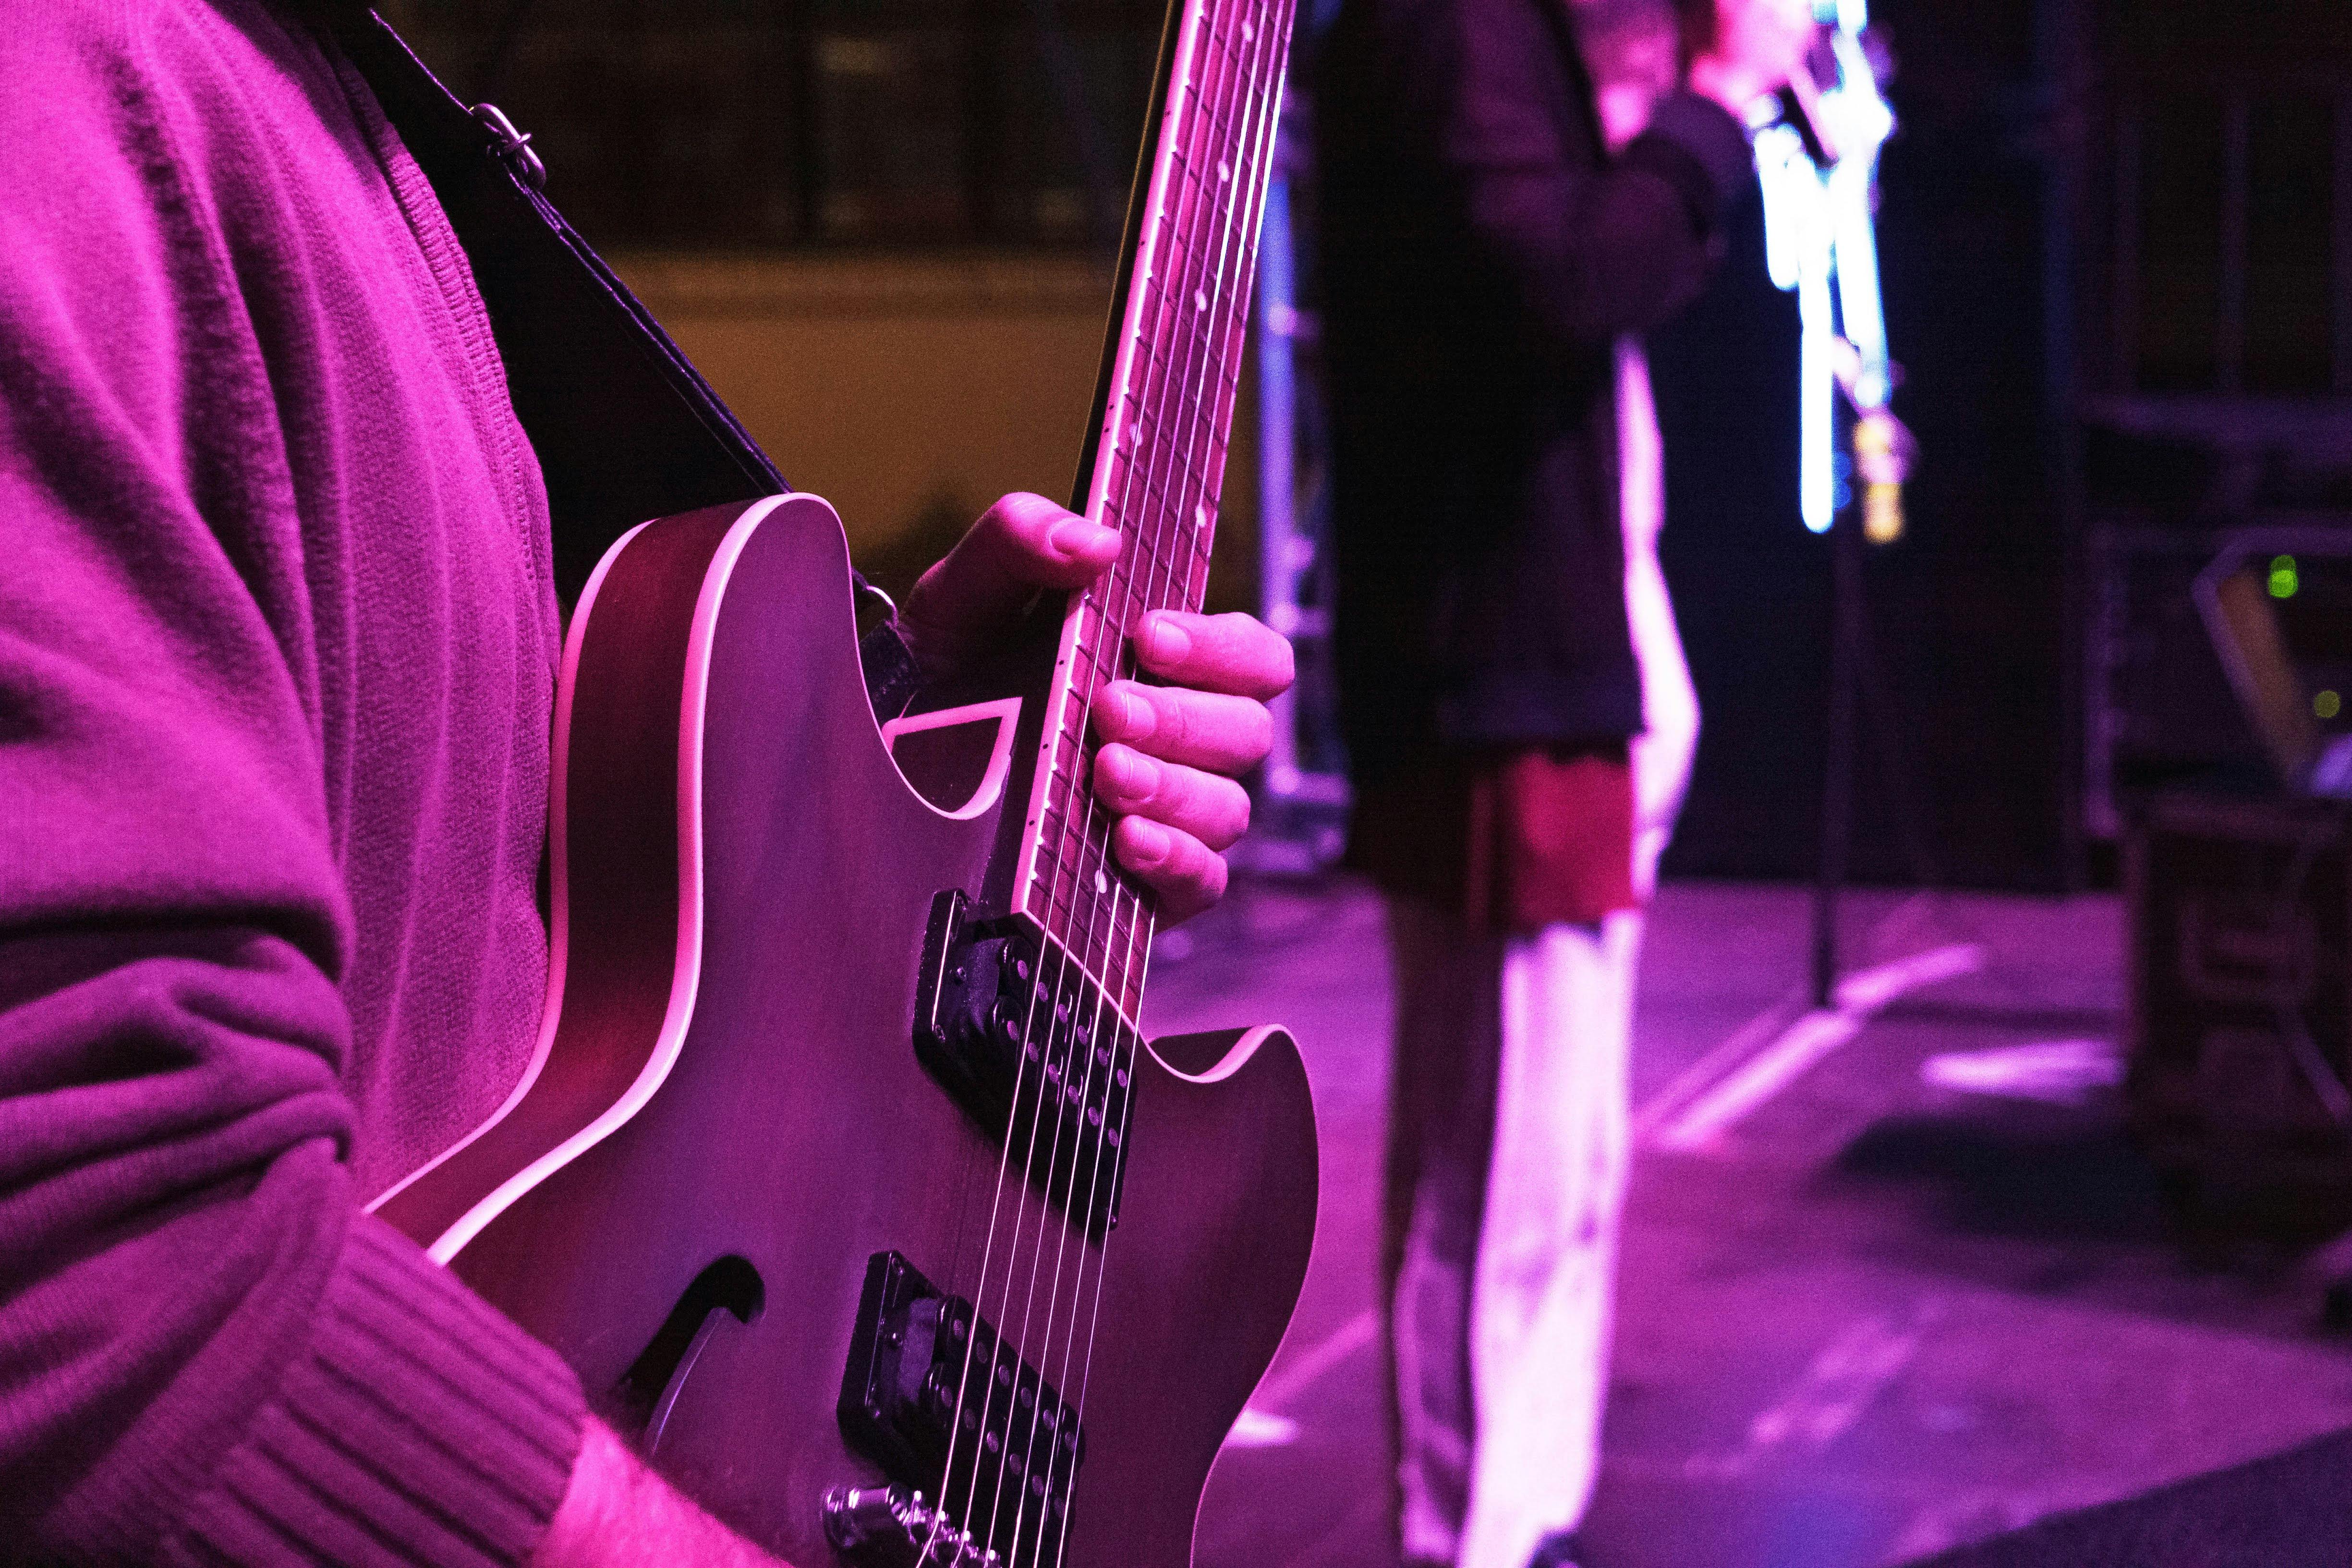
[1821,244]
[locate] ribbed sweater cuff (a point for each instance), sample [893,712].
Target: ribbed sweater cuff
[423,1430]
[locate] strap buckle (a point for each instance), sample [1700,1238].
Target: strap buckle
[511,147]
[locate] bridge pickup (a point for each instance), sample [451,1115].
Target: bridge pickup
[933,1395]
[1023,1037]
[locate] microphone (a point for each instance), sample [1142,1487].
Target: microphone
[1800,105]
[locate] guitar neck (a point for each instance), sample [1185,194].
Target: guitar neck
[1155,454]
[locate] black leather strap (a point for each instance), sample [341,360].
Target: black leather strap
[625,427]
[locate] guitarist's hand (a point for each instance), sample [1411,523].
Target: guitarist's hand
[1171,753]
[618,1514]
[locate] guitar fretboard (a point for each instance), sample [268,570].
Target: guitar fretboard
[1158,458]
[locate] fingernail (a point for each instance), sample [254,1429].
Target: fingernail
[1131,773]
[1074,536]
[1164,640]
[1148,844]
[1134,715]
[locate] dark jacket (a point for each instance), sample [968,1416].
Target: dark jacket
[1482,253]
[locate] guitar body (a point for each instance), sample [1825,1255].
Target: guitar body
[728,1119]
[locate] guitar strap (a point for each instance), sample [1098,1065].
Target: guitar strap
[626,428]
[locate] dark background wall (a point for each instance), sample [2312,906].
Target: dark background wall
[2118,265]
[915,196]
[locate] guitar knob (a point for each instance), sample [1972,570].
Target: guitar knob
[859,1520]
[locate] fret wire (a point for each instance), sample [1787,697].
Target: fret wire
[1154,484]
[1128,591]
[1183,480]
[1174,219]
[1177,352]
[1219,41]
[1167,356]
[1240,246]
[1159,558]
[1186,341]
[1198,338]
[1191,490]
[1206,340]
[1226,379]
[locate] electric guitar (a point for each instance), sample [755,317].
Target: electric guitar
[841,1173]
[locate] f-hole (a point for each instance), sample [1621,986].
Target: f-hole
[648,1392]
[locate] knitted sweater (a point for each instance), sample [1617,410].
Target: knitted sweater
[277,658]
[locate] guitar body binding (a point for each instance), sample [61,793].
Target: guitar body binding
[728,1096]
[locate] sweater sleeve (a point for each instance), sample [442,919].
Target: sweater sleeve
[206,1354]
[1589,246]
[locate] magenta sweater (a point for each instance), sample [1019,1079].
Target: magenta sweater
[277,658]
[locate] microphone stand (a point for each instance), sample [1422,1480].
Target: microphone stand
[1848,629]
[1817,159]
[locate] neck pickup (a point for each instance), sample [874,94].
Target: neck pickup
[1034,1049]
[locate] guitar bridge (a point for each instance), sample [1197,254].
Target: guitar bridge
[1019,1033]
[934,1397]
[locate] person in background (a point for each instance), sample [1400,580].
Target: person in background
[1513,192]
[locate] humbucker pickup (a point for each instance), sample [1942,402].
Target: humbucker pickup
[1017,1031]
[933,1395]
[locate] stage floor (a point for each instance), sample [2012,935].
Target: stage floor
[1868,1308]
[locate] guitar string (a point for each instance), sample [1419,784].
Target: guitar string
[1066,959]
[1061,740]
[1051,1084]
[1208,338]
[1115,605]
[1171,466]
[1190,196]
[1039,988]
[1068,1022]
[1064,1022]
[1140,928]
[1059,1459]
[945,1510]
[1192,455]
[1037,992]
[1250,158]
[1155,449]
[1214,344]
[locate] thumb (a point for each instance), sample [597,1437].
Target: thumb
[1023,544]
